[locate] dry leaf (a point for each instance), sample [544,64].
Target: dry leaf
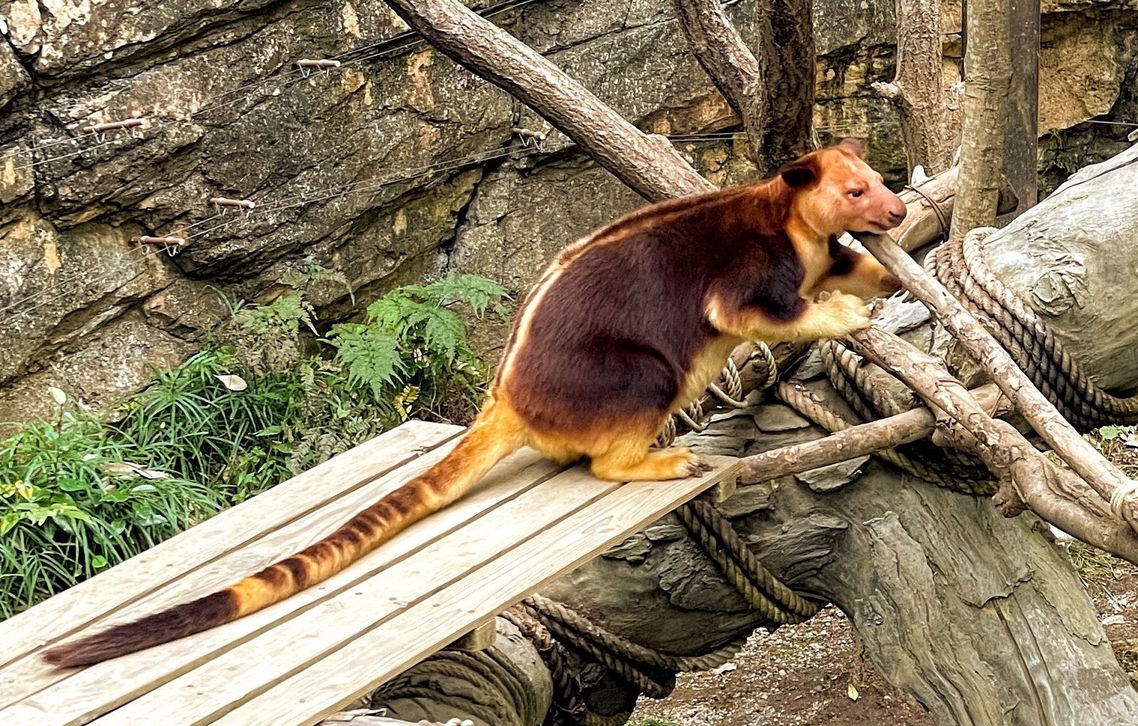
[851,691]
[232,382]
[132,471]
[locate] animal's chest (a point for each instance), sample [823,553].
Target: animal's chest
[816,262]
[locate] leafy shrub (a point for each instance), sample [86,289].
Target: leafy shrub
[72,502]
[413,347]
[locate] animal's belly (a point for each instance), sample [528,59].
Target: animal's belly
[704,369]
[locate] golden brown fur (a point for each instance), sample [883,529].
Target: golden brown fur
[623,329]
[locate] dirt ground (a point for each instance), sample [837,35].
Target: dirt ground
[815,673]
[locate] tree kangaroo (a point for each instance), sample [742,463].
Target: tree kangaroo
[624,328]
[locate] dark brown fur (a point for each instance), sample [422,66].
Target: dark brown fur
[622,328]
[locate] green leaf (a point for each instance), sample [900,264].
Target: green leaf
[371,355]
[1110,433]
[443,332]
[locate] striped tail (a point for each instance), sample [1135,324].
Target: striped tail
[494,435]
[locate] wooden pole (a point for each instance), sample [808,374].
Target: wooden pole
[1020,144]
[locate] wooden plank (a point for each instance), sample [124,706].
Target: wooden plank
[108,591]
[223,683]
[101,687]
[381,653]
[480,638]
[29,674]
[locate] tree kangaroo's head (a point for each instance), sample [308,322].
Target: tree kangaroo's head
[835,191]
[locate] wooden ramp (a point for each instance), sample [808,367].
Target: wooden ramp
[303,659]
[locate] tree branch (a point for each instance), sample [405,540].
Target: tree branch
[928,127]
[1054,494]
[925,222]
[777,119]
[850,443]
[1090,464]
[729,63]
[647,164]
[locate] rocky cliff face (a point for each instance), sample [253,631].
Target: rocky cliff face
[397,165]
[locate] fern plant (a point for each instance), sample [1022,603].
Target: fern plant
[413,346]
[78,495]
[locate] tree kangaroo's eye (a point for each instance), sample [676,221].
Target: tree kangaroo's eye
[856,193]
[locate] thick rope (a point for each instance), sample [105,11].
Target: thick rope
[564,618]
[506,699]
[568,702]
[728,390]
[605,648]
[962,267]
[765,593]
[946,467]
[801,400]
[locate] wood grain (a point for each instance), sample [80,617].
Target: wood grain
[385,651]
[231,678]
[108,591]
[99,688]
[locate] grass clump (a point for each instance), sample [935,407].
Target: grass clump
[78,495]
[73,501]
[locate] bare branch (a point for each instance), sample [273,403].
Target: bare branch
[931,205]
[649,165]
[850,443]
[987,81]
[729,63]
[1054,494]
[1090,464]
[777,118]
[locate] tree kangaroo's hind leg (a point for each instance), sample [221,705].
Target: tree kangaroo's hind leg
[628,457]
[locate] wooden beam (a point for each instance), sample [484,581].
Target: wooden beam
[1105,478]
[1021,165]
[650,165]
[860,440]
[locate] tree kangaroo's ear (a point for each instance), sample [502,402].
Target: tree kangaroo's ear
[800,172]
[854,146]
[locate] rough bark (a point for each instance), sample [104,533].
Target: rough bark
[776,114]
[856,441]
[930,123]
[987,79]
[980,617]
[1021,161]
[647,164]
[930,206]
[787,65]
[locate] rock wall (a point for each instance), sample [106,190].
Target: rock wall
[396,166]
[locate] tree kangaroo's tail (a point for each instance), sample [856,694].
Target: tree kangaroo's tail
[495,434]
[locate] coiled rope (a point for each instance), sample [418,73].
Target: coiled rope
[962,267]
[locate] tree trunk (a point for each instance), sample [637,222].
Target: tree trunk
[929,128]
[980,617]
[772,88]
[787,63]
[1021,162]
[987,79]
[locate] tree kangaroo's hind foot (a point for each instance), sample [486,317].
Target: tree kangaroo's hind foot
[624,465]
